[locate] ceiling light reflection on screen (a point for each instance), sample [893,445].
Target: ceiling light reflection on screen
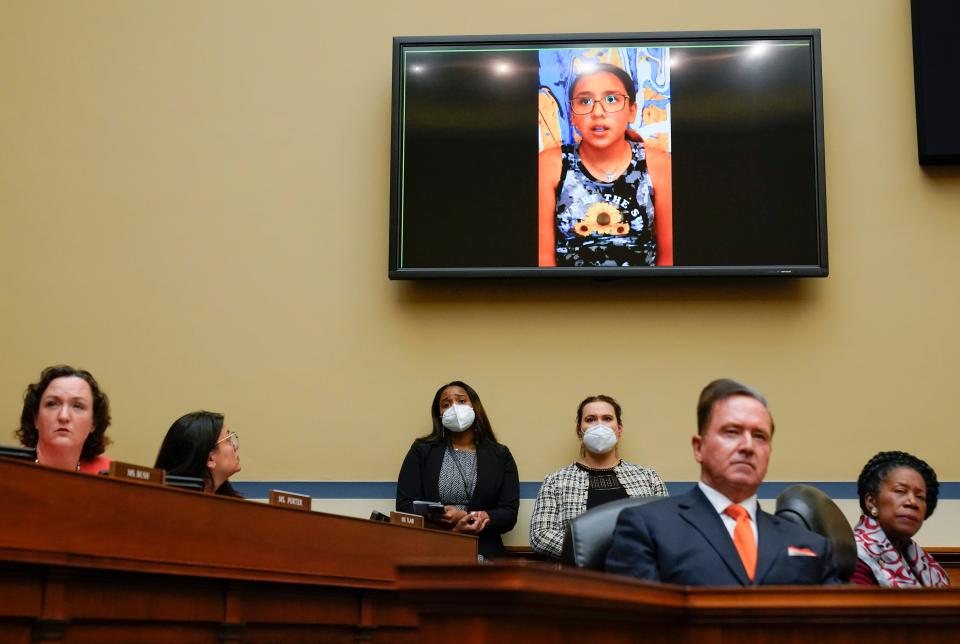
[586,68]
[502,69]
[758,50]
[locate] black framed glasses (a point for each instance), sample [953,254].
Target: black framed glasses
[609,102]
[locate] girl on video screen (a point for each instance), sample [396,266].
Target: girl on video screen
[605,196]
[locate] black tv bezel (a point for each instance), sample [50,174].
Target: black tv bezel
[395,272]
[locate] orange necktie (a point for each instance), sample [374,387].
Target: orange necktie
[743,539]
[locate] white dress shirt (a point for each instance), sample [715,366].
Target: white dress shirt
[720,503]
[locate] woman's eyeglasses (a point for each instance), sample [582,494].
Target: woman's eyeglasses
[609,102]
[233,438]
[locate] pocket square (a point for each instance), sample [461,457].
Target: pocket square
[793,551]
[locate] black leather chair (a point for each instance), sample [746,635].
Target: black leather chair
[24,453]
[589,536]
[807,506]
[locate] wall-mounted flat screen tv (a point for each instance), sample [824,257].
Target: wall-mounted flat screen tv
[608,155]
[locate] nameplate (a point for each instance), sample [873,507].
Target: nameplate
[142,473]
[412,520]
[290,500]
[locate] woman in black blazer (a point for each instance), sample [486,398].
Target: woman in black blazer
[461,465]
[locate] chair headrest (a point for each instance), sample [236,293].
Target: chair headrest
[588,537]
[809,507]
[25,453]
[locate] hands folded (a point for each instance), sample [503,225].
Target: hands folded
[460,521]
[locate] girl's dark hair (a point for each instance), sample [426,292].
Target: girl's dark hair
[598,398]
[482,430]
[96,442]
[621,75]
[188,444]
[879,467]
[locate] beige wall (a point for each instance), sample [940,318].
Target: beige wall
[194,201]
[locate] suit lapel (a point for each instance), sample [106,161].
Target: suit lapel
[771,543]
[696,510]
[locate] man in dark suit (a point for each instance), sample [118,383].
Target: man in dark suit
[716,534]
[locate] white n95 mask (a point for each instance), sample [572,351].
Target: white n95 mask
[599,439]
[458,418]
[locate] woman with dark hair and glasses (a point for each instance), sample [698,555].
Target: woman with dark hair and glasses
[598,477]
[65,418]
[607,200]
[460,465]
[200,444]
[898,492]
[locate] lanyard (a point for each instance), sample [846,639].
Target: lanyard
[463,477]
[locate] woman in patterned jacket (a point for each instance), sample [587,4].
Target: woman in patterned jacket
[597,477]
[898,492]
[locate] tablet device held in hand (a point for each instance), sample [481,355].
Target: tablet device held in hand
[427,508]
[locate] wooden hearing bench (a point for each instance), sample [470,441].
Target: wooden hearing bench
[473,604]
[91,559]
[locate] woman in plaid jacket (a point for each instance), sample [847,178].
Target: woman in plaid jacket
[597,477]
